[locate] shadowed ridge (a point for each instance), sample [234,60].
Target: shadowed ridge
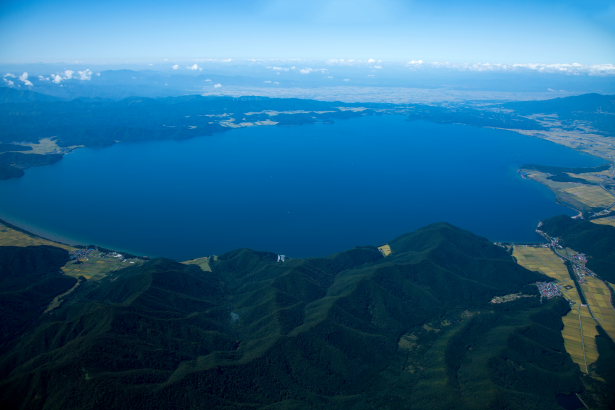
[11,95]
[30,277]
[18,261]
[439,234]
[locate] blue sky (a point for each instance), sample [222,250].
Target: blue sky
[496,31]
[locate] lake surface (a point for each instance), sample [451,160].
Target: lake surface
[306,190]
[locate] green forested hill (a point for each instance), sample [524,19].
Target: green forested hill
[356,330]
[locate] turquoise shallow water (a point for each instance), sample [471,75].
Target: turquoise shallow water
[300,190]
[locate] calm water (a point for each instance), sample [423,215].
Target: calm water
[302,190]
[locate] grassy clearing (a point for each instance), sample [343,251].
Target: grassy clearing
[202,263]
[385,250]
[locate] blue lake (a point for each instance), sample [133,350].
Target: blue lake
[306,190]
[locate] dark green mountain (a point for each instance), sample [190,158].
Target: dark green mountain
[598,241]
[30,277]
[12,164]
[414,330]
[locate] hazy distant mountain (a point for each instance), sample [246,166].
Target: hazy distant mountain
[593,109]
[355,330]
[18,96]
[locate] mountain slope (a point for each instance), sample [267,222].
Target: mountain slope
[355,330]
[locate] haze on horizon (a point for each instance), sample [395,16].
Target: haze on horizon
[496,31]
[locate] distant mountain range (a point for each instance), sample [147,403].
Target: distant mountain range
[594,109]
[413,330]
[27,117]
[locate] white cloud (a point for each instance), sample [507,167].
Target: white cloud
[57,78]
[10,75]
[85,75]
[24,79]
[342,61]
[194,67]
[217,85]
[563,68]
[10,83]
[309,70]
[175,66]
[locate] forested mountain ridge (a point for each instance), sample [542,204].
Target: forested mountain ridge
[353,330]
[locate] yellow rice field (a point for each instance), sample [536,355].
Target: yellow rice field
[592,195]
[599,299]
[12,237]
[579,337]
[543,260]
[579,330]
[609,220]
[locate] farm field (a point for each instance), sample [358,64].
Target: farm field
[579,335]
[543,260]
[580,196]
[608,220]
[579,330]
[591,195]
[592,177]
[598,297]
[13,237]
